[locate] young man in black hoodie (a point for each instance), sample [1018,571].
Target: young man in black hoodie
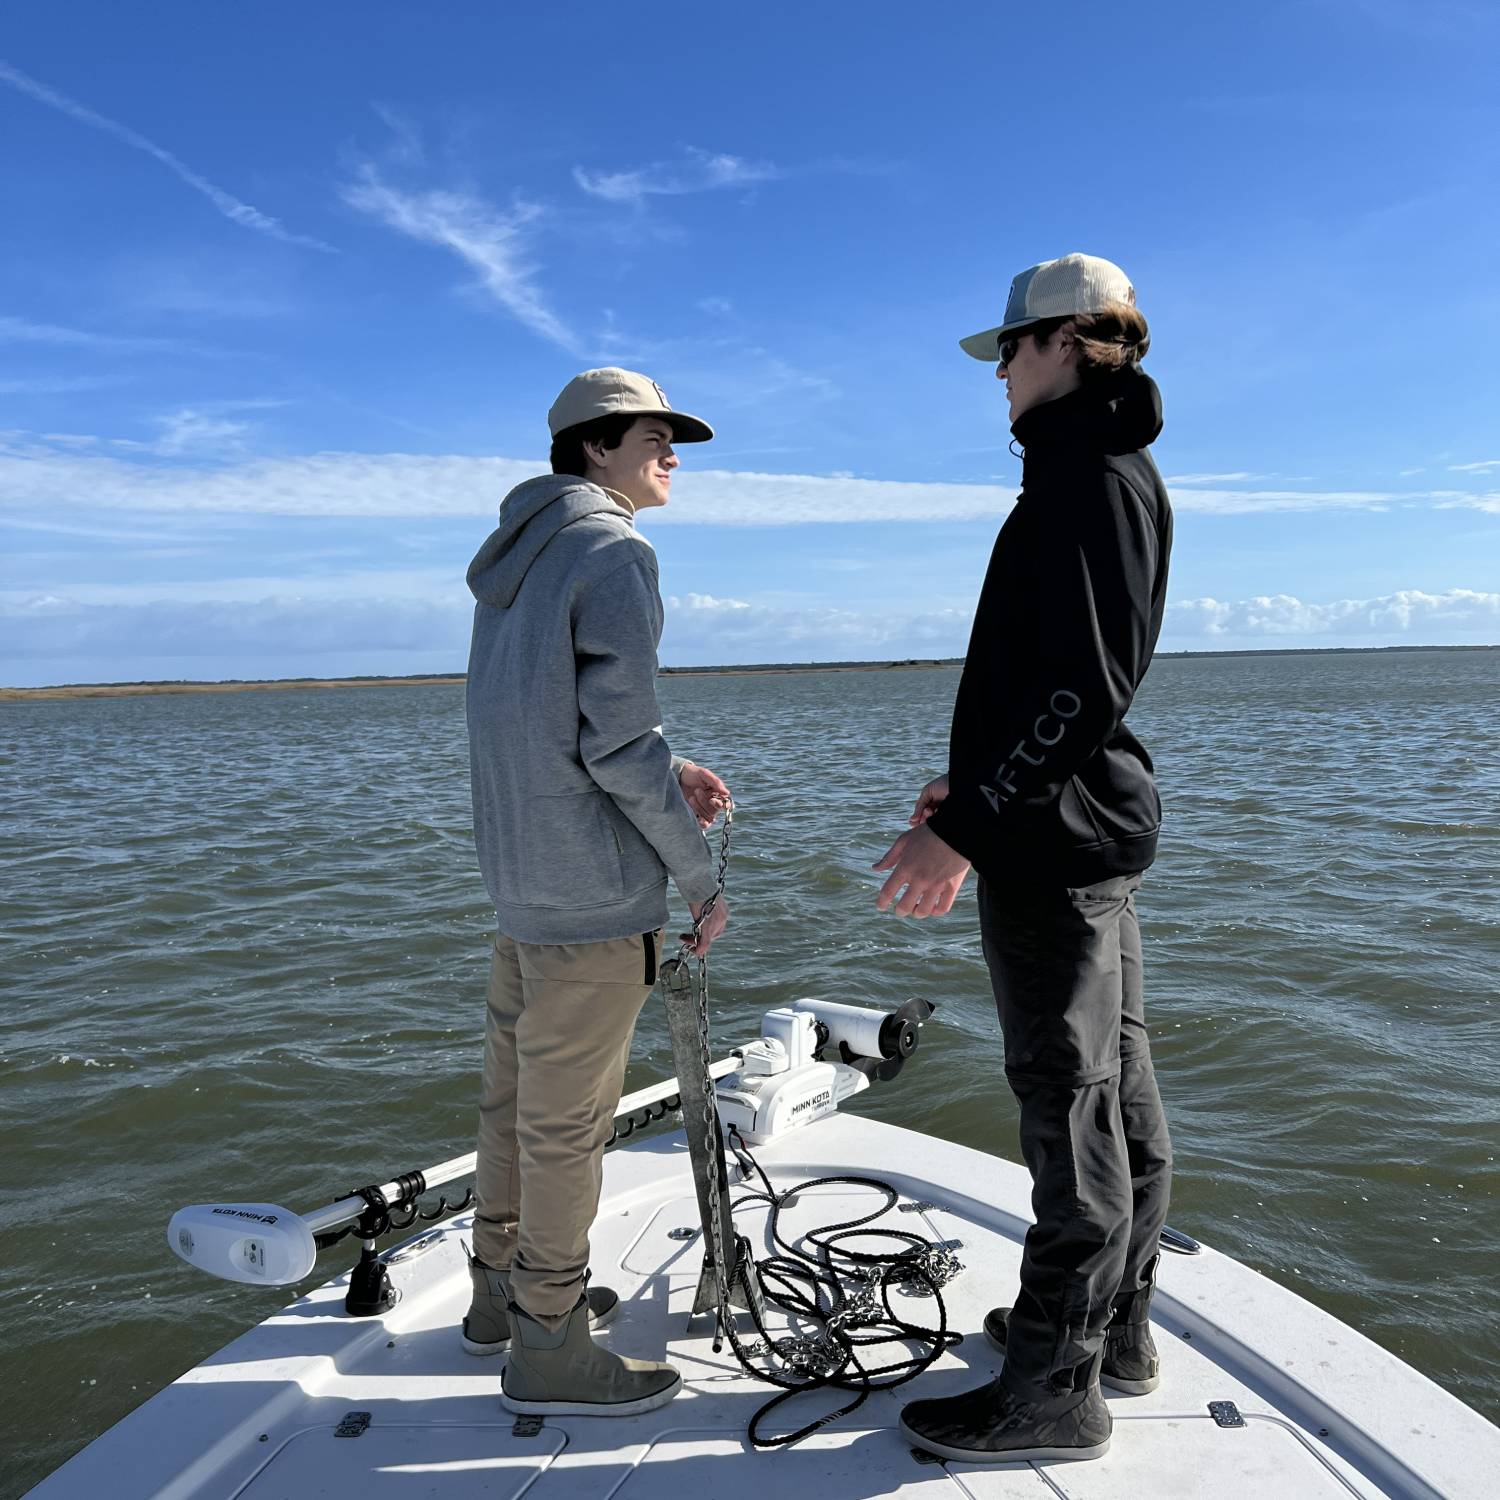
[1051,799]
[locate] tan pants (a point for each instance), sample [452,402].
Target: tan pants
[560,1020]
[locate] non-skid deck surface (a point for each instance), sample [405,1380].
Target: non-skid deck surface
[259,1420]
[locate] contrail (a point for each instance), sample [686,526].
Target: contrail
[227,204]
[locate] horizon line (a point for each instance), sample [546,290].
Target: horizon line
[168,685]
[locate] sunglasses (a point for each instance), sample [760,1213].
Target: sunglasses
[1009,348]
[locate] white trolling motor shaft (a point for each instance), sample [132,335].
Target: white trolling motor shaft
[264,1244]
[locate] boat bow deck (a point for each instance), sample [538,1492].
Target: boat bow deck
[1326,1412]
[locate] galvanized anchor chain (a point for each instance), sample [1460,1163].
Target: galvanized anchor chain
[677,978]
[722,1314]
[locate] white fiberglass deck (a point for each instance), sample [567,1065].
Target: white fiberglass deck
[1327,1413]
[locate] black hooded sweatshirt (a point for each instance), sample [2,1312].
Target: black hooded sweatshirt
[1045,780]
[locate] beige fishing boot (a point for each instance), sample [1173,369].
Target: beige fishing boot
[563,1373]
[486,1328]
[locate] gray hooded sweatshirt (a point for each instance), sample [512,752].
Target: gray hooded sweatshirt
[578,817]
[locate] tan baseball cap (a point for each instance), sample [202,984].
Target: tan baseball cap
[617,393]
[1053,289]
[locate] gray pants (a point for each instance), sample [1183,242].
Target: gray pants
[1065,966]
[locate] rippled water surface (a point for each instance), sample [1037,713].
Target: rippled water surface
[244,943]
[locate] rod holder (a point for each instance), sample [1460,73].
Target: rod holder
[371,1291]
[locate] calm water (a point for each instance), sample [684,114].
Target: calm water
[244,945]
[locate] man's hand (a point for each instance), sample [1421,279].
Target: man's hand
[931,872]
[928,800]
[705,793]
[718,920]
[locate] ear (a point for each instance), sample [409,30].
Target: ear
[594,452]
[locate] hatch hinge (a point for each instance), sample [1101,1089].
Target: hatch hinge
[1225,1413]
[353,1425]
[526,1427]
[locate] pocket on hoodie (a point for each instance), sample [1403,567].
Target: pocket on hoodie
[640,865]
[570,853]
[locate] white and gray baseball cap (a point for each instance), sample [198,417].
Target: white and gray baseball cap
[1059,288]
[616,393]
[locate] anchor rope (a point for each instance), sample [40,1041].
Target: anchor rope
[850,1303]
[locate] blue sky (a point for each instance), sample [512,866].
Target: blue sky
[286,291]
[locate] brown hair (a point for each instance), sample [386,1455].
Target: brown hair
[568,456]
[1107,341]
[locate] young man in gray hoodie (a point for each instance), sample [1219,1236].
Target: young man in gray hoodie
[580,814]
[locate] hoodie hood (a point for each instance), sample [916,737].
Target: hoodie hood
[530,516]
[1119,414]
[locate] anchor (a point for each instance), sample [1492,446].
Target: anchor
[705,1138]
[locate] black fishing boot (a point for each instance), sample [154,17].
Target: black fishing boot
[1131,1364]
[992,1425]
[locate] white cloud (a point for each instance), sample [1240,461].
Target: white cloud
[406,143]
[1237,502]
[1273,616]
[418,620]
[56,385]
[1452,501]
[705,630]
[415,585]
[1235,478]
[189,431]
[228,205]
[150,536]
[310,625]
[299,629]
[319,484]
[492,242]
[35,474]
[1484,466]
[396,484]
[701,172]
[23,331]
[207,431]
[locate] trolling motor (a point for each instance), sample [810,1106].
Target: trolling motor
[785,1079]
[810,1057]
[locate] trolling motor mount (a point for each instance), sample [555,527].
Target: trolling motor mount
[371,1290]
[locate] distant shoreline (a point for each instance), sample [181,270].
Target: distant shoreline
[910,664]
